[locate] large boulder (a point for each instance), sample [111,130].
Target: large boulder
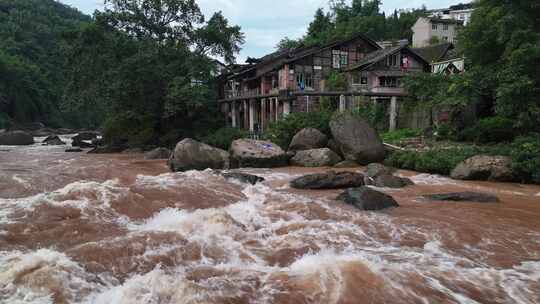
[464,197]
[257,154]
[357,140]
[315,158]
[190,154]
[375,170]
[365,198]
[329,180]
[308,139]
[158,153]
[16,138]
[391,181]
[483,167]
[53,140]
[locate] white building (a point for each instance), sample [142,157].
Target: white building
[461,12]
[427,30]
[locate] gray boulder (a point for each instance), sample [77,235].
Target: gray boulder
[315,158]
[74,150]
[329,180]
[158,153]
[347,164]
[16,138]
[190,154]
[365,198]
[332,145]
[357,140]
[483,167]
[464,197]
[252,153]
[391,181]
[375,169]
[243,177]
[53,140]
[308,139]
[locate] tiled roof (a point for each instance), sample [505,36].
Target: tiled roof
[434,53]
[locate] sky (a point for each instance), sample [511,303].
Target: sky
[265,22]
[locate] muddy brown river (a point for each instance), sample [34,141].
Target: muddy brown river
[78,228]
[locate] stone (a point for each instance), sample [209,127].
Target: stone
[391,181]
[308,139]
[347,164]
[315,158]
[133,151]
[357,140]
[365,198]
[329,180]
[250,153]
[374,170]
[190,154]
[332,145]
[53,140]
[87,135]
[158,153]
[16,138]
[83,138]
[74,150]
[464,197]
[483,167]
[243,177]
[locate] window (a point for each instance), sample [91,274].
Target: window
[304,81]
[344,59]
[363,78]
[392,60]
[389,82]
[336,59]
[445,27]
[434,26]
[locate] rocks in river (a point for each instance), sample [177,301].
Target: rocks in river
[374,170]
[243,177]
[257,154]
[16,138]
[329,180]
[115,147]
[74,150]
[308,139]
[365,198]
[483,167]
[87,139]
[464,197]
[391,181]
[190,154]
[53,140]
[315,158]
[347,164]
[357,140]
[158,153]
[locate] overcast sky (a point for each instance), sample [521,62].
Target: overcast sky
[265,22]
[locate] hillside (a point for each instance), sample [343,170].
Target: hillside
[32,58]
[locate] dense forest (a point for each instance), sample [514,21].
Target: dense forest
[32,54]
[142,70]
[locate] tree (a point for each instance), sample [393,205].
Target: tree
[502,43]
[287,43]
[319,25]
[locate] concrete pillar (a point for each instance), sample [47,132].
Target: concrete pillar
[234,114]
[393,113]
[276,101]
[308,104]
[246,114]
[342,103]
[263,114]
[251,115]
[272,116]
[286,108]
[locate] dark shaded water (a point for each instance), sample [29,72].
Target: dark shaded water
[77,228]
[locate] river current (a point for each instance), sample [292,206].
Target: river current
[80,228]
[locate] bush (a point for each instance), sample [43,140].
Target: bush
[223,137]
[445,132]
[490,130]
[281,132]
[5,121]
[398,135]
[526,158]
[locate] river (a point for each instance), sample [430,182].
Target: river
[80,228]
